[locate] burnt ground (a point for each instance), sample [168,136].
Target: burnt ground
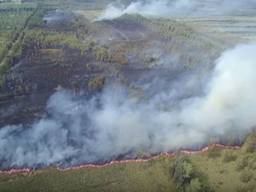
[139,53]
[29,84]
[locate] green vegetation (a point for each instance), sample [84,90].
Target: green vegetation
[214,152]
[229,156]
[187,177]
[101,54]
[229,169]
[150,176]
[181,174]
[14,19]
[22,29]
[246,176]
[40,38]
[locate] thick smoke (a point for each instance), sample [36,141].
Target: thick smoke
[168,8]
[115,124]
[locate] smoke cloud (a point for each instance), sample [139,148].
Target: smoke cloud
[114,124]
[168,8]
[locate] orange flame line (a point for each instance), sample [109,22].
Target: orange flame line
[183,152]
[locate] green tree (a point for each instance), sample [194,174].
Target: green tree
[195,185]
[214,153]
[182,172]
[187,178]
[246,176]
[229,156]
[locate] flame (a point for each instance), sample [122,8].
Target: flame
[16,171]
[166,154]
[115,162]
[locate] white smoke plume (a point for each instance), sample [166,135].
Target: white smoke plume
[168,8]
[114,124]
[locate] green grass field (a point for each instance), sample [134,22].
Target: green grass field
[150,176]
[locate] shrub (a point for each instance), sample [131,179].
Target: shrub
[101,54]
[195,185]
[248,187]
[246,176]
[247,161]
[187,178]
[119,57]
[96,83]
[182,172]
[242,163]
[250,148]
[229,156]
[214,153]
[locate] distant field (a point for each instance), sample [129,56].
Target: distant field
[89,14]
[235,27]
[14,19]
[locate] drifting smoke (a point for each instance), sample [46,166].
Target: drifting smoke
[111,125]
[168,8]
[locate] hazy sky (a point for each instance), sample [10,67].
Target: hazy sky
[167,8]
